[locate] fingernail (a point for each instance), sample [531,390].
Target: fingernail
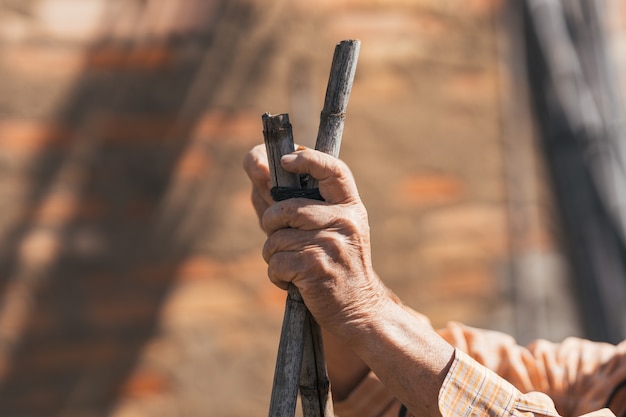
[290,157]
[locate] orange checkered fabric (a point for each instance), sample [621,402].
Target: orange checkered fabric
[491,375]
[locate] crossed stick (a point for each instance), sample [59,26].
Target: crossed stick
[300,364]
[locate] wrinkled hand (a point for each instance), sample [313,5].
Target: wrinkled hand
[324,249]
[321,247]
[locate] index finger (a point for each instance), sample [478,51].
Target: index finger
[335,180]
[257,168]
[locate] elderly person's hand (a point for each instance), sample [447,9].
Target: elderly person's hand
[324,249]
[345,369]
[321,247]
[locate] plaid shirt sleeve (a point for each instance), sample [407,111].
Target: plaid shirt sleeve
[469,390]
[472,388]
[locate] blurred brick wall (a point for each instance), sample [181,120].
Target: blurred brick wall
[130,268]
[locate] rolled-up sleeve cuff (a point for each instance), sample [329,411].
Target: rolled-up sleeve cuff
[470,389]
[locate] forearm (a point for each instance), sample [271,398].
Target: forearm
[390,344]
[345,369]
[405,353]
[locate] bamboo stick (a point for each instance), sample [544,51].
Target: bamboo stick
[340,81]
[313,374]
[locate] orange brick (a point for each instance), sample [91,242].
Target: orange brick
[242,128]
[70,354]
[406,29]
[386,87]
[471,87]
[464,232]
[483,7]
[469,281]
[43,60]
[140,129]
[139,57]
[322,6]
[199,267]
[468,220]
[193,164]
[201,301]
[247,267]
[61,207]
[154,273]
[145,383]
[452,250]
[30,137]
[57,207]
[426,189]
[139,209]
[114,311]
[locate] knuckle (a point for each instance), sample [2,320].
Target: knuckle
[294,212]
[350,223]
[273,271]
[268,250]
[257,199]
[265,221]
[331,249]
[274,279]
[332,243]
[255,164]
[250,160]
[258,173]
[284,267]
[272,218]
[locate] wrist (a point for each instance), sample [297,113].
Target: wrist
[406,354]
[358,320]
[386,326]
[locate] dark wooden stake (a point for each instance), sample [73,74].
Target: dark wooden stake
[300,361]
[314,383]
[278,142]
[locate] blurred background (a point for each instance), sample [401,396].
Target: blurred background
[131,280]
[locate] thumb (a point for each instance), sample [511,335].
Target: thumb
[335,180]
